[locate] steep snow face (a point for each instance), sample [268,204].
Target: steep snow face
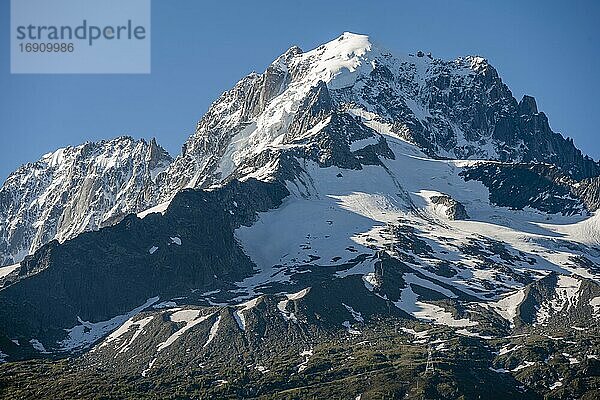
[258,111]
[585,231]
[508,306]
[339,63]
[75,189]
[455,109]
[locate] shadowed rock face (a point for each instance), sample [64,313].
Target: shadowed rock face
[109,272]
[532,140]
[589,190]
[316,106]
[527,106]
[540,186]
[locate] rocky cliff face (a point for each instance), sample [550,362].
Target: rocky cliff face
[232,113]
[73,190]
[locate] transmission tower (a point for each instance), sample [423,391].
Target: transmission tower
[429,365]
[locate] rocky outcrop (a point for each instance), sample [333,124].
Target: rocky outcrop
[528,106]
[589,191]
[454,209]
[528,138]
[316,106]
[558,301]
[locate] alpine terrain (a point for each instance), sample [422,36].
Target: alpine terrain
[351,223]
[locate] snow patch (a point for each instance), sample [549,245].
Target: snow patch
[261,369]
[282,305]
[160,208]
[129,325]
[526,364]
[150,365]
[355,314]
[350,329]
[595,303]
[38,346]
[426,311]
[5,271]
[82,336]
[164,304]
[306,354]
[213,331]
[466,332]
[421,337]
[508,306]
[555,385]
[238,314]
[298,295]
[190,317]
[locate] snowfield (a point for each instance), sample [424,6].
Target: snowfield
[343,213]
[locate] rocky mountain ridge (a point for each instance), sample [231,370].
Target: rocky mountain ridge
[75,189]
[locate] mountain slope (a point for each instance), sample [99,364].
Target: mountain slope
[348,220]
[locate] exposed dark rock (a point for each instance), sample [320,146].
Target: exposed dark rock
[528,106]
[317,105]
[454,209]
[540,186]
[589,191]
[99,275]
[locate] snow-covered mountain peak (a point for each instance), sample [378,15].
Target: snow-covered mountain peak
[75,189]
[104,152]
[350,190]
[344,60]
[457,109]
[477,63]
[336,61]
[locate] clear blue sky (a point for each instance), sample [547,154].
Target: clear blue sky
[548,49]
